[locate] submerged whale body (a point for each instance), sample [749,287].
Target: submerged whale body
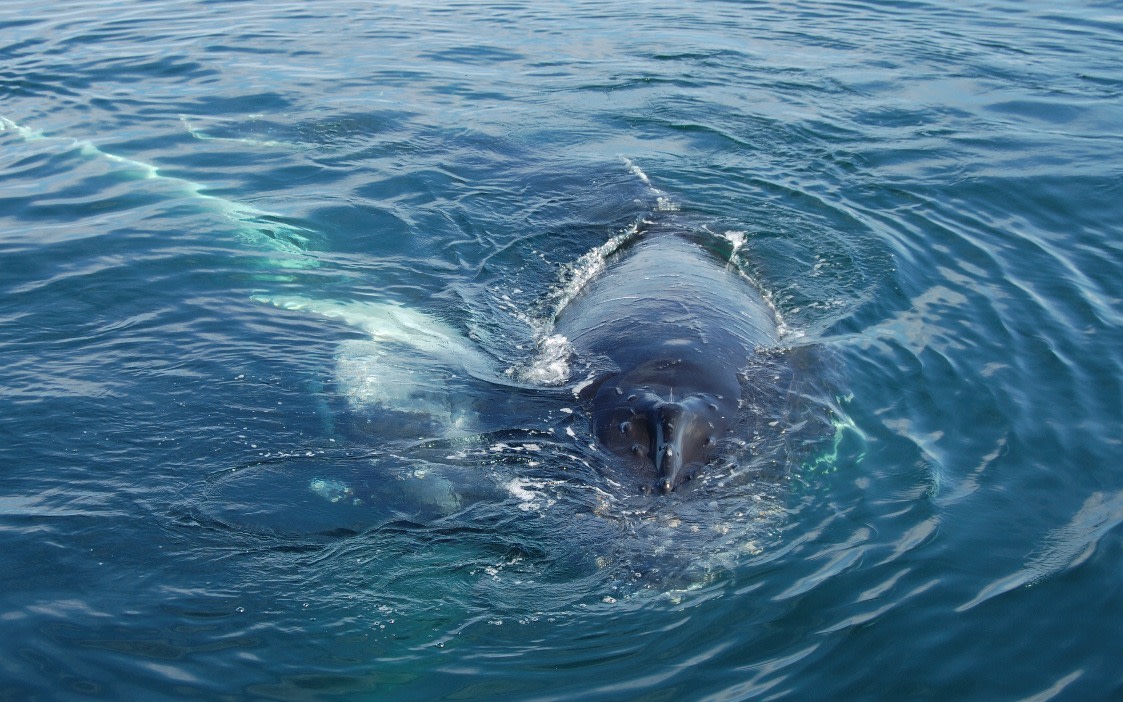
[665,332]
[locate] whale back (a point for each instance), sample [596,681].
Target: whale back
[664,332]
[666,295]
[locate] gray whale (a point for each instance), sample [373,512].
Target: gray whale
[665,332]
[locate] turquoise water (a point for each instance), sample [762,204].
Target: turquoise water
[220,221]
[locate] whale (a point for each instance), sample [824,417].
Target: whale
[663,336]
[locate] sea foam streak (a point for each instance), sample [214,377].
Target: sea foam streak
[257,228]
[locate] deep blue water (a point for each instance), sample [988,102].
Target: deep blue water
[209,487]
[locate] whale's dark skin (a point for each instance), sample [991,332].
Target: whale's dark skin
[665,331]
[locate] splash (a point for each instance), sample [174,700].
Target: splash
[575,276]
[739,263]
[530,494]
[736,239]
[331,490]
[663,201]
[551,365]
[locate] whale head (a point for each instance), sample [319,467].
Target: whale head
[665,419]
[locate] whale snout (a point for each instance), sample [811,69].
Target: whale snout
[671,438]
[670,424]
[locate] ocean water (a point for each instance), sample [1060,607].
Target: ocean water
[282,415]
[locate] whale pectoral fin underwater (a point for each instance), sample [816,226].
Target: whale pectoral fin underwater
[410,362]
[389,323]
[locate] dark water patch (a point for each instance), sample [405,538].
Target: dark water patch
[475,55]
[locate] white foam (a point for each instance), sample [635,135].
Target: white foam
[736,239]
[592,263]
[551,365]
[663,201]
[331,490]
[636,170]
[529,494]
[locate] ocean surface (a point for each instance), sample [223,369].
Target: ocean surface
[283,415]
